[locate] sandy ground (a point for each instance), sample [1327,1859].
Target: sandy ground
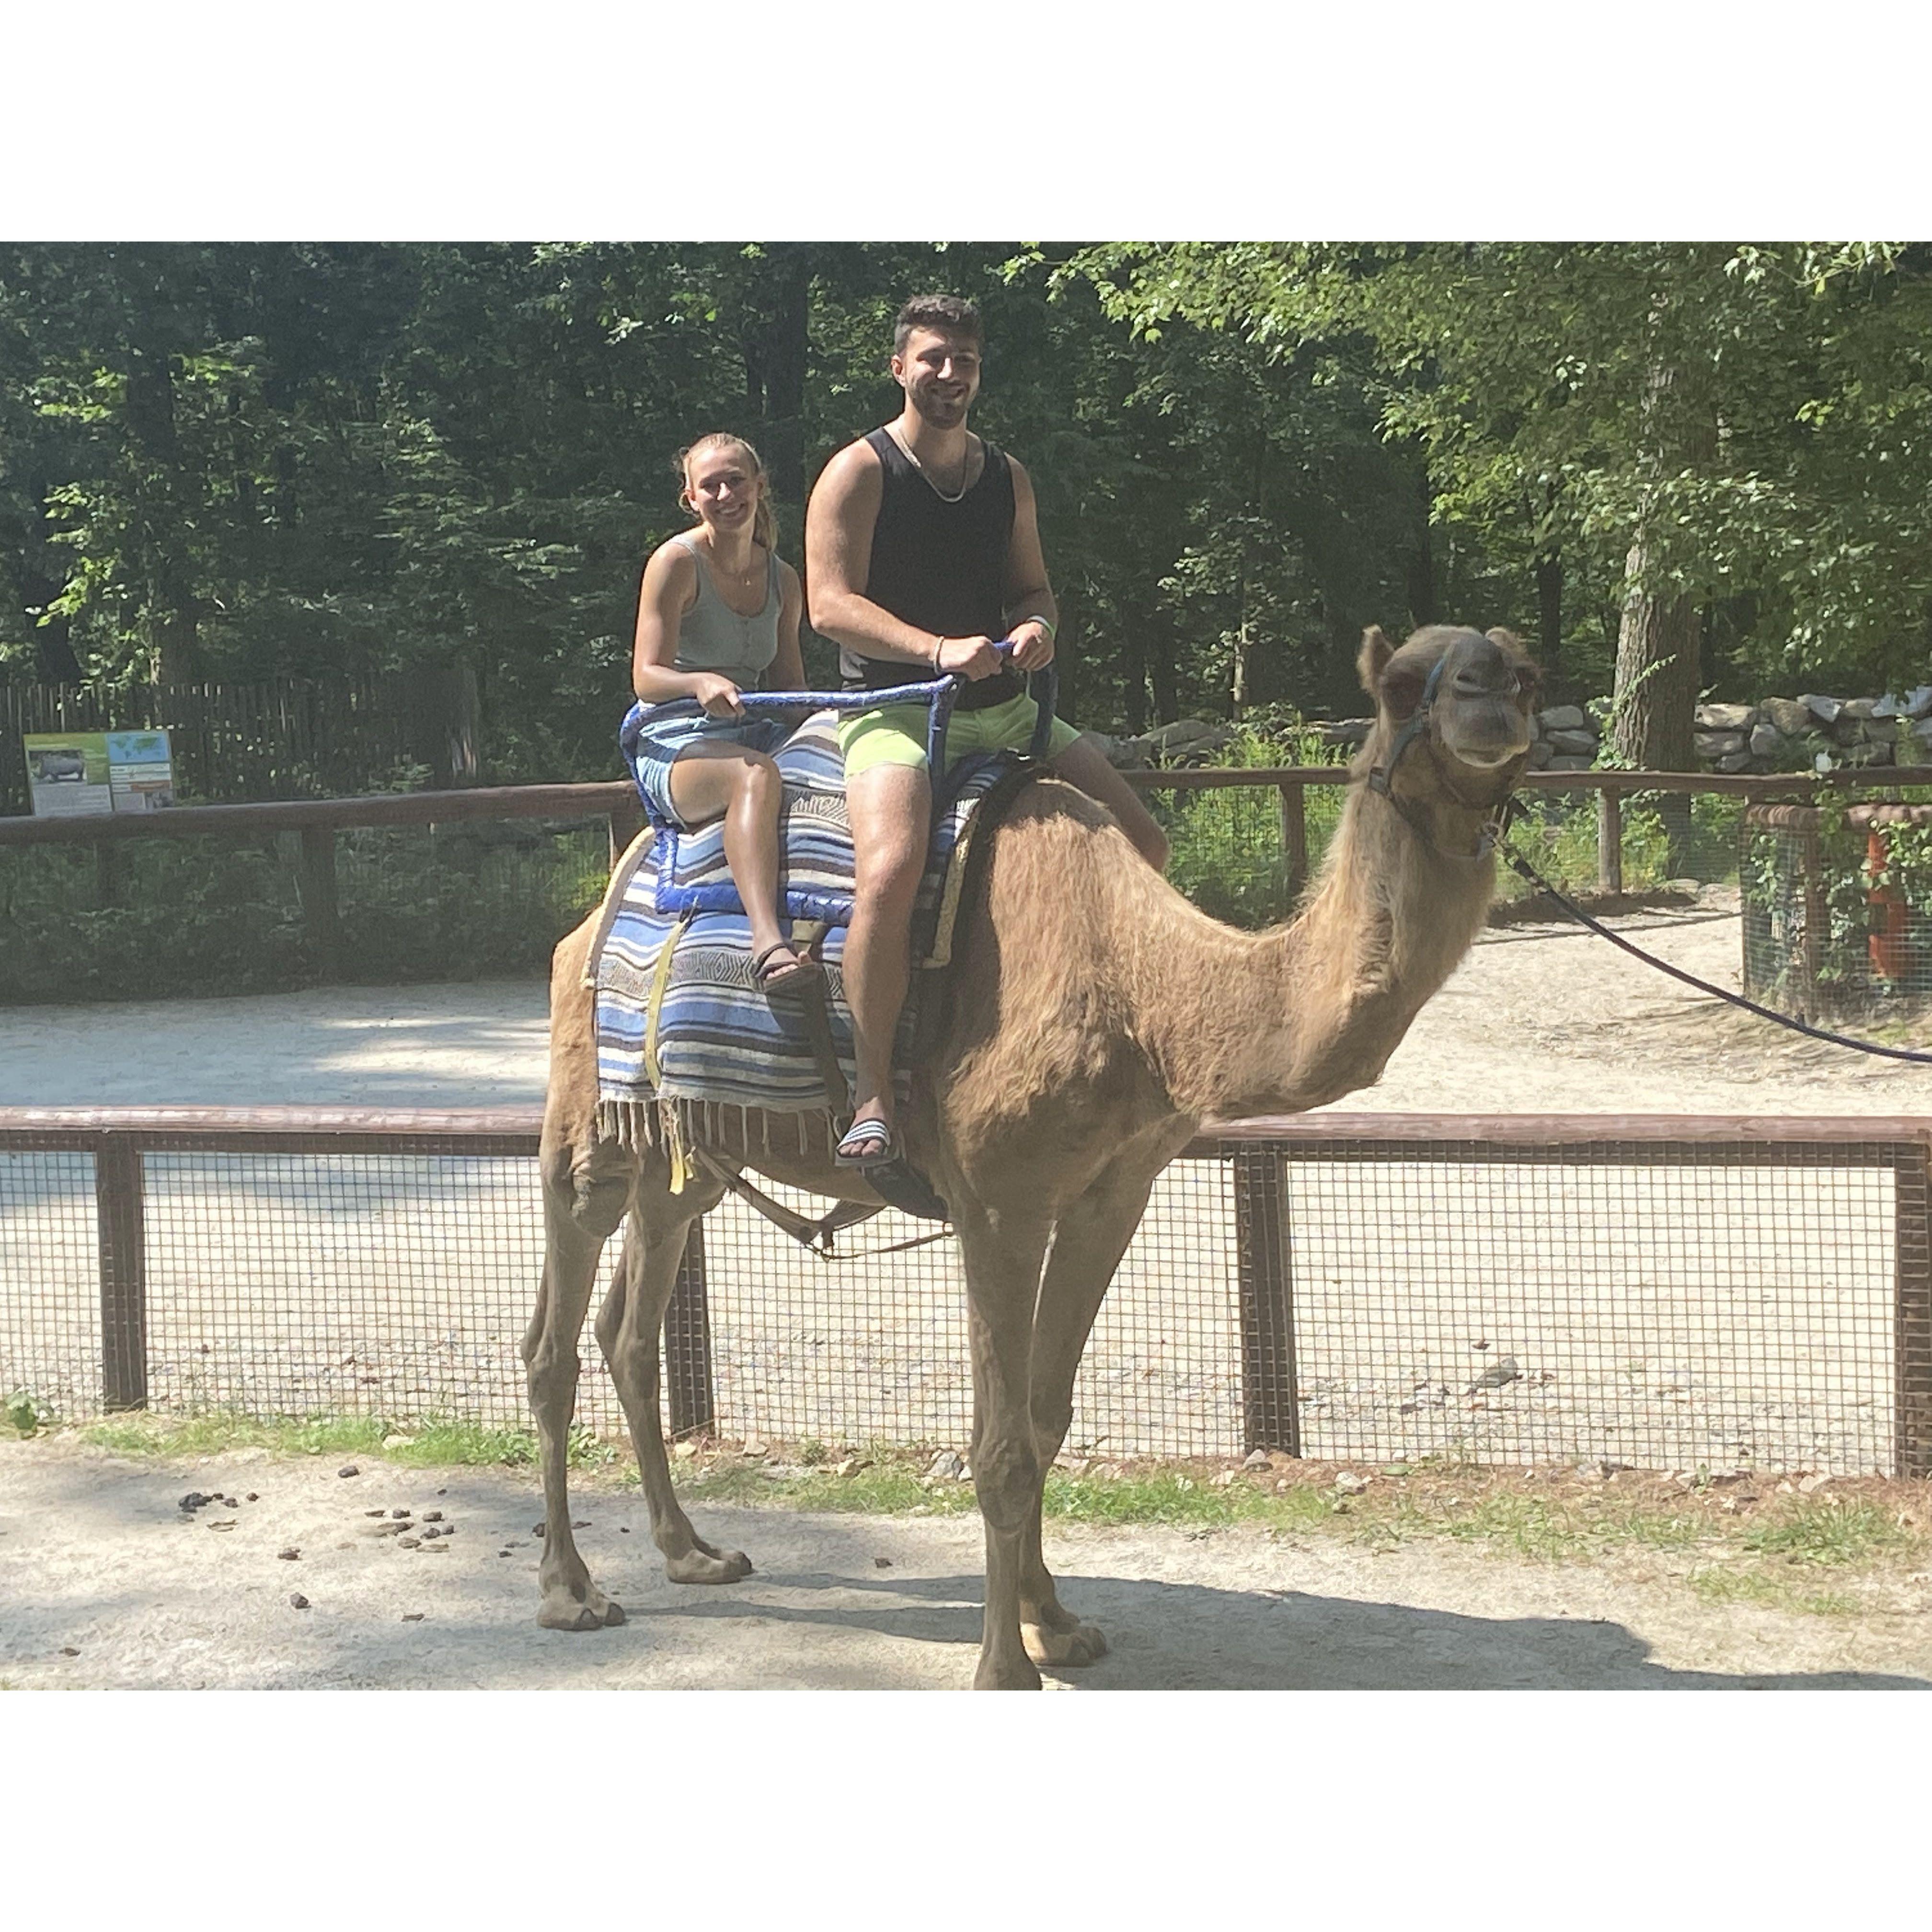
[1539,1018]
[96,1558]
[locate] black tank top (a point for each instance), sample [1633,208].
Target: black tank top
[939,565]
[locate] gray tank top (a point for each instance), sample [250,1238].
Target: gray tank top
[712,636]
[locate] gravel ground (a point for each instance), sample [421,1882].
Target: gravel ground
[106,1583]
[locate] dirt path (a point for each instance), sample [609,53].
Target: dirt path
[96,1557]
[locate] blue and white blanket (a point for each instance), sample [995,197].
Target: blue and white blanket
[680,1018]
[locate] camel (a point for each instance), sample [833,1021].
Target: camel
[1092,1019]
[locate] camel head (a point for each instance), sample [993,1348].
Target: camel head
[1460,698]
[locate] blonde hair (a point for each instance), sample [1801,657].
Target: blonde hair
[764,523]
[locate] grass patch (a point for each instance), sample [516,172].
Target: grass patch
[1717,1584]
[426,1445]
[1826,1533]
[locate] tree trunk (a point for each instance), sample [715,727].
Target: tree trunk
[1659,636]
[1422,594]
[1549,610]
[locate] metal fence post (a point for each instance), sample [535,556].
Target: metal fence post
[124,1273]
[1270,1410]
[687,1343]
[1911,1345]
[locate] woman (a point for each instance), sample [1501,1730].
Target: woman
[717,609]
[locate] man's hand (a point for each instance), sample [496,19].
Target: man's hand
[973,657]
[1033,645]
[719,695]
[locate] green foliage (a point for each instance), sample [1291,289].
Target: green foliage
[167,917]
[25,1415]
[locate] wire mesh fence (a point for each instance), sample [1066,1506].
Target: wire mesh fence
[1667,1294]
[1838,912]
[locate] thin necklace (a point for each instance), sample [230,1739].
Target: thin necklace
[965,464]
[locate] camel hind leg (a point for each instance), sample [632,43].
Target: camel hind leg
[628,1328]
[581,1208]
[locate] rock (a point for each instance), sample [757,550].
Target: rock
[1918,702]
[1824,709]
[298,1601]
[1564,718]
[1734,761]
[1860,708]
[684,1451]
[947,1465]
[1165,739]
[431,1534]
[408,1543]
[882,1563]
[192,1501]
[397,1442]
[1718,744]
[754,1447]
[1766,740]
[432,1516]
[1498,1374]
[412,1616]
[1868,754]
[288,1555]
[1789,715]
[851,1466]
[1257,1458]
[536,1529]
[375,1512]
[1350,1483]
[1575,743]
[1811,1485]
[228,1525]
[1569,761]
[1540,755]
[1725,717]
[1227,1479]
[349,1469]
[401,1515]
[68,1650]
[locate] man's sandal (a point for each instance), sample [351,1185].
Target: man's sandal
[788,976]
[867,1144]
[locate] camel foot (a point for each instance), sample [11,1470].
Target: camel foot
[565,1609]
[1010,1674]
[1066,1648]
[705,1563]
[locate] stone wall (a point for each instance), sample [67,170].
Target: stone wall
[1809,734]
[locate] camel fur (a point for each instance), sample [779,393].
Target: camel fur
[1092,1019]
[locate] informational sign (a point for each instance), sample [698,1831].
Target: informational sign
[77,774]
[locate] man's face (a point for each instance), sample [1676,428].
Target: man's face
[939,373]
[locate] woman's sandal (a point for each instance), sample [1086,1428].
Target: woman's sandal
[867,1144]
[788,976]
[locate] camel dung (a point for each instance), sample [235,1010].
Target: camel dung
[882,1563]
[401,1516]
[408,1542]
[298,1601]
[349,1469]
[376,1512]
[288,1555]
[412,1616]
[432,1516]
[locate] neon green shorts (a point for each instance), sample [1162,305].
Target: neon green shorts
[894,734]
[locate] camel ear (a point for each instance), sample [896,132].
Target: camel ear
[1376,651]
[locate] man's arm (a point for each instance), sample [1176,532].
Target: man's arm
[839,520]
[1028,594]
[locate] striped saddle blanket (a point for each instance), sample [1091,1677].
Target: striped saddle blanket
[681,1022]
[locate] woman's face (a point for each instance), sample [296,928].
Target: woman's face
[723,489]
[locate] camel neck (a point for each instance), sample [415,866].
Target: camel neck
[1283,1020]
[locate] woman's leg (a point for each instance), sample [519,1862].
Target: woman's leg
[746,790]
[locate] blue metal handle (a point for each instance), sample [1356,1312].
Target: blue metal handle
[938,695]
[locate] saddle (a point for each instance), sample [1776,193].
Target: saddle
[684,1030]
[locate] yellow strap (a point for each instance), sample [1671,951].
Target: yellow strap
[654,1007]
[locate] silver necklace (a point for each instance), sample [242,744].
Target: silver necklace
[965,465]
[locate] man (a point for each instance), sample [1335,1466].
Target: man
[922,545]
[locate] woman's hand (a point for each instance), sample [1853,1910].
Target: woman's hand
[719,695]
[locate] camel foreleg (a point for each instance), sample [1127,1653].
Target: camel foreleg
[1003,1253]
[1088,1242]
[628,1328]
